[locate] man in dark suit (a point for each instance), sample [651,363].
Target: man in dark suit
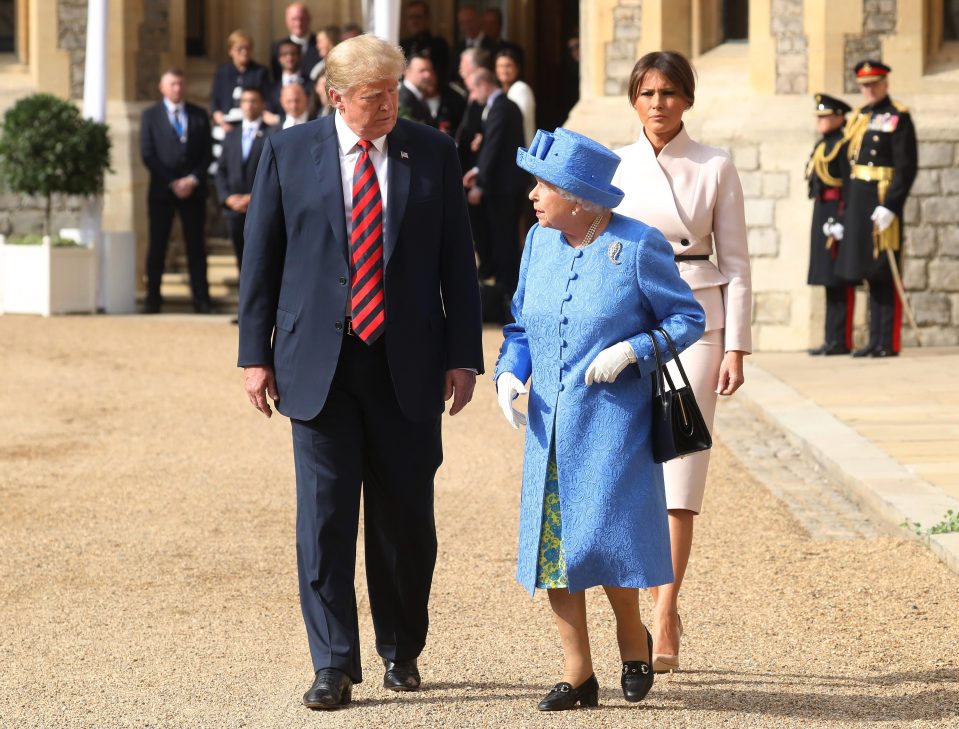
[289,55]
[467,146]
[175,146]
[358,323]
[242,148]
[297,19]
[422,41]
[471,36]
[492,23]
[495,182]
[423,100]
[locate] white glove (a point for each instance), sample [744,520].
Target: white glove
[609,363]
[508,388]
[882,217]
[833,230]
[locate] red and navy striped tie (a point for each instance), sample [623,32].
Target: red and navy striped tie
[366,250]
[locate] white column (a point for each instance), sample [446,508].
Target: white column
[95,107]
[386,20]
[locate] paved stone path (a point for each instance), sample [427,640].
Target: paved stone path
[147,572]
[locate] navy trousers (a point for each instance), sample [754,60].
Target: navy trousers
[361,441]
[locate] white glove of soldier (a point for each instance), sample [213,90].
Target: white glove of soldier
[508,388]
[833,230]
[609,363]
[882,217]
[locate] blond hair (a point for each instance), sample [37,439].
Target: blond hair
[237,37]
[364,59]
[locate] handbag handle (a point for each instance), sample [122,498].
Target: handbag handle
[679,364]
[659,387]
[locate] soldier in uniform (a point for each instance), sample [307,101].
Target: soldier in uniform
[882,150]
[827,170]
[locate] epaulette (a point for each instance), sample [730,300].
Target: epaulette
[901,108]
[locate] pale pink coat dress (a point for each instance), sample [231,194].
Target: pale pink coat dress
[692,194]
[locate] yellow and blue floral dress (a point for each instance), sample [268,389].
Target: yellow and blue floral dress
[551,572]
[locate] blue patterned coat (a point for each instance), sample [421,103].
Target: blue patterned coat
[570,305]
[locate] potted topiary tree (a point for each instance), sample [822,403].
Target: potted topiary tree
[48,148]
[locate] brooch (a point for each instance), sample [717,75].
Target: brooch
[613,252]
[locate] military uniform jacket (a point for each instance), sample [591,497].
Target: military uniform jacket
[827,172]
[881,135]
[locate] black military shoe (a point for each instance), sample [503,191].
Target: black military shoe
[864,352]
[401,675]
[331,689]
[821,349]
[834,349]
[883,353]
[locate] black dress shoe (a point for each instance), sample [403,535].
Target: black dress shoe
[638,676]
[881,352]
[563,697]
[401,675]
[834,349]
[151,307]
[864,352]
[331,689]
[203,307]
[821,349]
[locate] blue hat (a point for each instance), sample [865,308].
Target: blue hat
[574,163]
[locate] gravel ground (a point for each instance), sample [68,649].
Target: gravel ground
[147,570]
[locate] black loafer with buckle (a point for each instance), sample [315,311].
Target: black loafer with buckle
[563,697]
[638,676]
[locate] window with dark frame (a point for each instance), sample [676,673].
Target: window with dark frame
[8,26]
[950,20]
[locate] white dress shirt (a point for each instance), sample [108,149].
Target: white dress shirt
[292,121]
[349,153]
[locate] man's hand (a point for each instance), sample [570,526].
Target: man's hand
[469,179]
[730,373]
[882,217]
[474,196]
[260,382]
[459,386]
[476,143]
[184,187]
[237,203]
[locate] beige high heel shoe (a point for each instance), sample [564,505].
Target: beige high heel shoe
[664,663]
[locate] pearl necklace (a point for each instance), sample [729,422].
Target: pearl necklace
[591,231]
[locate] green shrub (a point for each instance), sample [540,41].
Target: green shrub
[47,147]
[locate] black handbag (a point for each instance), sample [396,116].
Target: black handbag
[678,425]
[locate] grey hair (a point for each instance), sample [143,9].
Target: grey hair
[589,207]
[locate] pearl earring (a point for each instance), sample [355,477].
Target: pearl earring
[574,211]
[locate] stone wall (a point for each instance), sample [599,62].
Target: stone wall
[21,214]
[620,53]
[931,249]
[786,26]
[72,33]
[878,20]
[154,40]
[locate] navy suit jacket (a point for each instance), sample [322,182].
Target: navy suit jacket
[295,287]
[233,175]
[502,136]
[168,159]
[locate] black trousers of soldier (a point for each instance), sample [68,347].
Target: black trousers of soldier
[885,316]
[840,307]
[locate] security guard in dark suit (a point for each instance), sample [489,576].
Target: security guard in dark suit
[826,171]
[882,150]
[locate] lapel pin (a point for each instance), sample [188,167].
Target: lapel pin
[404,155]
[613,252]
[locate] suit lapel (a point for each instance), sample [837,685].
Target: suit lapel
[326,164]
[399,190]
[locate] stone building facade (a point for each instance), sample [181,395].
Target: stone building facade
[753,98]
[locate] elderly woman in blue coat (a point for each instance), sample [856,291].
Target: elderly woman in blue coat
[593,288]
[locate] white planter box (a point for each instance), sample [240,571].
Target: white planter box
[43,279]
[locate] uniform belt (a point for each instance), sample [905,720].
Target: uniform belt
[679,258]
[872,174]
[830,194]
